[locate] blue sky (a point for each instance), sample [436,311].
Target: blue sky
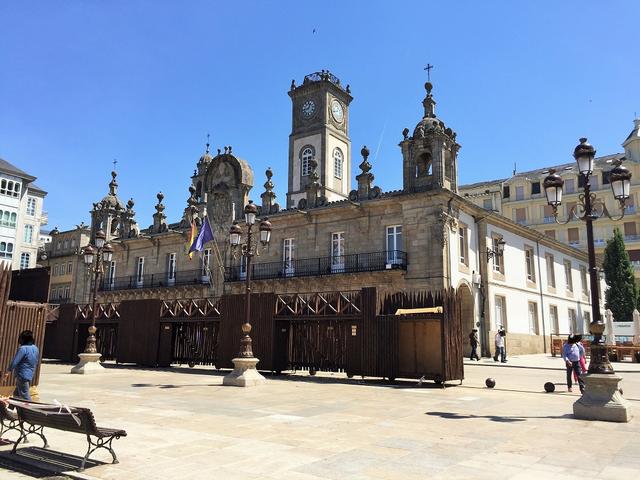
[84,82]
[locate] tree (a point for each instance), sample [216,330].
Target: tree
[621,296]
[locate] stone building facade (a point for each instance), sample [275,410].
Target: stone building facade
[331,236]
[521,198]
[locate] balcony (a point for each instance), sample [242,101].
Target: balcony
[191,277]
[549,220]
[631,238]
[311,267]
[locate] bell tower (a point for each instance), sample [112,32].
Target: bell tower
[430,156]
[320,134]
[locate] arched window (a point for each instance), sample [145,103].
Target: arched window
[306,155]
[14,217]
[337,162]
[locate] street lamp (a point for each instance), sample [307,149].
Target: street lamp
[601,399]
[245,373]
[499,250]
[94,259]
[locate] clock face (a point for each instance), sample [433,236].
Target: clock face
[308,108]
[336,111]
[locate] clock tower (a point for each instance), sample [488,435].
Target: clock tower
[319,135]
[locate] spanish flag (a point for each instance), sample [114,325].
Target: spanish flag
[192,237]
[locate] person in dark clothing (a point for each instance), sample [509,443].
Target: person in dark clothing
[473,341]
[24,365]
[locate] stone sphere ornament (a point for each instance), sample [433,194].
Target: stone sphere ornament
[549,387]
[490,382]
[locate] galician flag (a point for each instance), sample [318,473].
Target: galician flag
[192,238]
[205,235]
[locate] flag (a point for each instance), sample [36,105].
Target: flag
[192,237]
[205,235]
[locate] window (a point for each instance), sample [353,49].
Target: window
[24,260]
[487,204]
[112,275]
[551,271]
[306,155]
[206,258]
[605,178]
[55,269]
[571,210]
[547,214]
[66,243]
[529,264]
[243,267]
[573,235]
[521,215]
[583,280]
[533,318]
[70,267]
[171,268]
[630,231]
[31,206]
[6,250]
[535,188]
[629,205]
[10,188]
[593,180]
[288,249]
[8,219]
[337,162]
[28,233]
[569,185]
[573,321]
[568,281]
[520,193]
[580,181]
[463,243]
[550,233]
[54,292]
[394,244]
[506,193]
[501,312]
[337,252]
[67,292]
[498,260]
[140,272]
[553,317]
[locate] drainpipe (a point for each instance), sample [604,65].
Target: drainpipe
[544,331]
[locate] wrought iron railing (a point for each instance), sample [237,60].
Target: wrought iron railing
[310,267]
[190,277]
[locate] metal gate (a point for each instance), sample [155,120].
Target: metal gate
[316,344]
[195,342]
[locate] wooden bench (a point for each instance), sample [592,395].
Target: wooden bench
[33,417]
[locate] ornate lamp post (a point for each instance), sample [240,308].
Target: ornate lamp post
[498,252]
[601,399]
[245,373]
[94,258]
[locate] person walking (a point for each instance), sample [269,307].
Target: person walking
[571,353]
[24,365]
[499,340]
[583,358]
[474,341]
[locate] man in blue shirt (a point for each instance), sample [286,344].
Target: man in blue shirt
[571,353]
[24,365]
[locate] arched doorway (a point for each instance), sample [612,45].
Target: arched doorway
[465,297]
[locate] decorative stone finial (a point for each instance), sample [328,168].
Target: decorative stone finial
[268,197]
[365,179]
[159,218]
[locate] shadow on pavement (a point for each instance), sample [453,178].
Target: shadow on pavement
[495,418]
[40,463]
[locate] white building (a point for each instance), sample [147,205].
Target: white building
[21,216]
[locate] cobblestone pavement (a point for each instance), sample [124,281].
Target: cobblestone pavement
[183,424]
